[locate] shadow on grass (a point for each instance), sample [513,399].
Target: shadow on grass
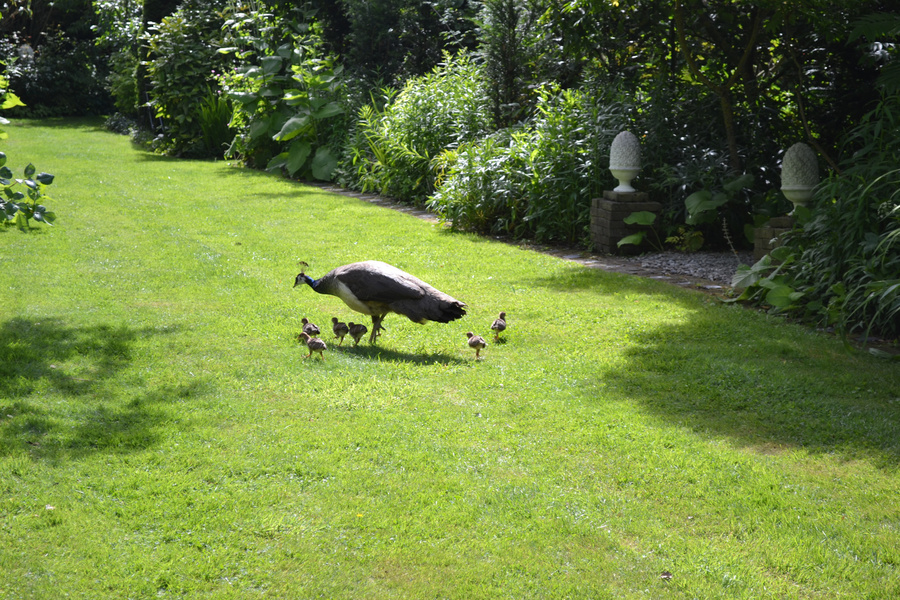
[377,353]
[87,124]
[87,417]
[764,389]
[726,371]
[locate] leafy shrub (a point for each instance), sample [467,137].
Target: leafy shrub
[506,26]
[481,184]
[394,147]
[116,27]
[287,96]
[536,181]
[842,266]
[214,117]
[18,207]
[685,160]
[122,83]
[59,78]
[183,52]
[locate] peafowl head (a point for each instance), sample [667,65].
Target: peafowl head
[303,277]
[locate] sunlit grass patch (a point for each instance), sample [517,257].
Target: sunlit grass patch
[153,393]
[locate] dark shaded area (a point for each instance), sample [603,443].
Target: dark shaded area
[763,387]
[33,354]
[86,124]
[378,353]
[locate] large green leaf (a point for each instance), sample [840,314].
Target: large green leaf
[271,64]
[11,100]
[297,155]
[782,296]
[635,238]
[244,97]
[324,163]
[277,162]
[739,183]
[258,129]
[744,277]
[292,128]
[700,206]
[642,217]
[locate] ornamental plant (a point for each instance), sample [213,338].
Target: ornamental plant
[286,94]
[395,148]
[18,206]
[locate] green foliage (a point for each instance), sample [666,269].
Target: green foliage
[60,76]
[390,41]
[536,181]
[480,185]
[845,259]
[703,206]
[686,239]
[122,83]
[287,95]
[18,207]
[766,282]
[645,219]
[504,45]
[183,55]
[394,148]
[215,115]
[117,23]
[882,30]
[730,204]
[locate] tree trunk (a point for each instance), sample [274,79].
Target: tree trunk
[722,89]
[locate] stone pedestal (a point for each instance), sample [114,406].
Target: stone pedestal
[607,220]
[768,237]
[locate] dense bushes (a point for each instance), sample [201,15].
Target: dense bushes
[393,148]
[288,95]
[848,252]
[183,56]
[60,77]
[841,265]
[536,180]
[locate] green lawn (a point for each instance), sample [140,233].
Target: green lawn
[162,436]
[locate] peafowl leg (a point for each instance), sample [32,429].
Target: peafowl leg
[376,327]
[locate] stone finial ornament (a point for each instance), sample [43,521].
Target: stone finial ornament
[625,160]
[799,174]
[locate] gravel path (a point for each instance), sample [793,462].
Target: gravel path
[712,266]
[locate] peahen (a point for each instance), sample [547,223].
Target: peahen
[376,288]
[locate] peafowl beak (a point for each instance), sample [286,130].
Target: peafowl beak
[299,280]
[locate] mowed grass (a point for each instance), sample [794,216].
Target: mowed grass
[162,436]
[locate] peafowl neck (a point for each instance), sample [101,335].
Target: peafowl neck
[315,284]
[303,278]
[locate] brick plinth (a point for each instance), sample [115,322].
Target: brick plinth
[768,237]
[607,220]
